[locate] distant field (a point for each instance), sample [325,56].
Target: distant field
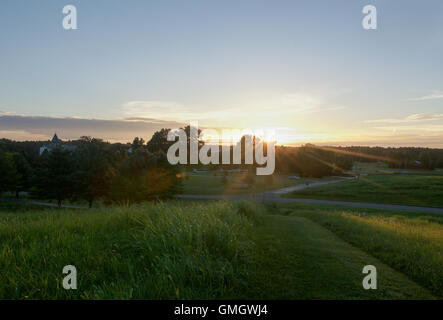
[207,183]
[411,243]
[393,189]
[383,168]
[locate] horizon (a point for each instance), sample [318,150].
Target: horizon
[234,141]
[309,71]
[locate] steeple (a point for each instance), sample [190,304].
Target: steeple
[55,139]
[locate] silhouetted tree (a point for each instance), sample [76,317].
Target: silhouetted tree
[159,141]
[93,172]
[145,176]
[54,176]
[138,143]
[9,176]
[25,173]
[311,161]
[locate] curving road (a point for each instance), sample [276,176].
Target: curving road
[275,196]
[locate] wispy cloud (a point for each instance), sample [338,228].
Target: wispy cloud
[166,110]
[432,96]
[410,119]
[151,109]
[268,107]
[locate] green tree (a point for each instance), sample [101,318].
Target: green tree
[25,173]
[425,159]
[145,176]
[192,139]
[159,141]
[313,161]
[9,176]
[54,176]
[138,143]
[93,172]
[342,163]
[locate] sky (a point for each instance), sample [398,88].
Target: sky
[306,69]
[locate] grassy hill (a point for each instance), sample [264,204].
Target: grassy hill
[211,250]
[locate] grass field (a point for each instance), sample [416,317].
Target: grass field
[209,250]
[424,191]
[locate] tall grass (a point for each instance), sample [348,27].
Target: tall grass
[163,251]
[413,246]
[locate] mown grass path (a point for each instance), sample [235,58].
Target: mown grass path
[299,259]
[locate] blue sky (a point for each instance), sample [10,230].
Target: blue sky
[306,68]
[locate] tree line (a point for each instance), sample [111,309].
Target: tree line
[138,171]
[401,158]
[94,170]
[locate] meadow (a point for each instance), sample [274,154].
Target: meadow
[415,190]
[212,250]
